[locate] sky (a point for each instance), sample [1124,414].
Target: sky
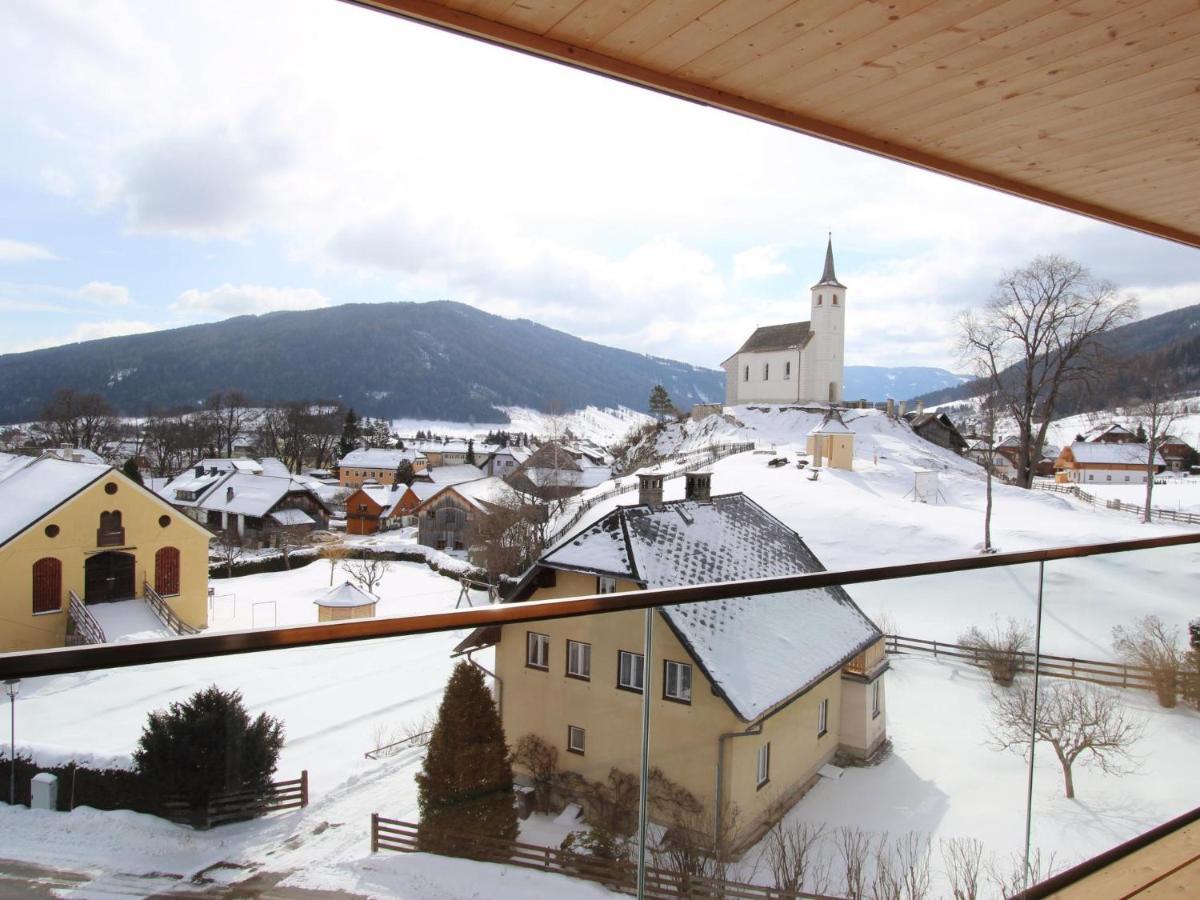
[169,162]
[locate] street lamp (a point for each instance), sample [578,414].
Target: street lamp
[13,686]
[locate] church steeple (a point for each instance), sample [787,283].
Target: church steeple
[828,277]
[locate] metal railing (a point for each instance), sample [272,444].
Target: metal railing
[87,629]
[31,663]
[163,610]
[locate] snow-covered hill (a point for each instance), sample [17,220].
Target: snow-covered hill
[603,427]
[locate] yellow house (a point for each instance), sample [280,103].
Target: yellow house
[750,698]
[831,443]
[85,530]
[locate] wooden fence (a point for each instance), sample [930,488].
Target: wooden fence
[695,459]
[1161,515]
[617,875]
[237,806]
[165,614]
[86,629]
[1095,671]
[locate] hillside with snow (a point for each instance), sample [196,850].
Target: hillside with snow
[602,427]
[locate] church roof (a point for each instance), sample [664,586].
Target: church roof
[828,277]
[777,337]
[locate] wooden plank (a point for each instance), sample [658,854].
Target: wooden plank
[652,23]
[593,20]
[537,17]
[723,22]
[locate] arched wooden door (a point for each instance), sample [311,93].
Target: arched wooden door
[108,576]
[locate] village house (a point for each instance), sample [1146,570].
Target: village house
[937,428]
[1110,434]
[1176,453]
[1092,462]
[448,452]
[378,465]
[83,531]
[831,443]
[451,474]
[750,697]
[799,362]
[505,460]
[378,507]
[447,519]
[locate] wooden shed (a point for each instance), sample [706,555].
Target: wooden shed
[346,601]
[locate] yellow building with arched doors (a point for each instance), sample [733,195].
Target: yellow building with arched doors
[84,529]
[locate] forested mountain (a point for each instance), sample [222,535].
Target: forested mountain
[1166,343]
[439,360]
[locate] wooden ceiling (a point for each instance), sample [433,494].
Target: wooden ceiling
[1091,106]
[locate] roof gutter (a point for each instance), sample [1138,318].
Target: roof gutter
[719,793]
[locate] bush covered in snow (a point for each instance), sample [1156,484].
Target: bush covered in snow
[209,745]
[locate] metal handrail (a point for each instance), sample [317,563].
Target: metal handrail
[163,610]
[31,663]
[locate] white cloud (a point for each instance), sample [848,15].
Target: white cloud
[759,262]
[21,251]
[247,299]
[1155,300]
[104,294]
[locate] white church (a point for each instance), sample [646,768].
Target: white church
[800,362]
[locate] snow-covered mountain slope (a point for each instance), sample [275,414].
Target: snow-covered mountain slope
[603,427]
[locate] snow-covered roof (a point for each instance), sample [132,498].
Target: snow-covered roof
[480,493]
[758,651]
[453,474]
[75,454]
[33,490]
[292,516]
[345,595]
[386,497]
[379,458]
[250,495]
[1095,453]
[273,466]
[1113,428]
[832,424]
[425,489]
[13,462]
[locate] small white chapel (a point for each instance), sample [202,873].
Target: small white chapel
[798,362]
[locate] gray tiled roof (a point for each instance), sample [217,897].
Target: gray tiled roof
[777,337]
[757,651]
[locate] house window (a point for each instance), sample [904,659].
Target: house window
[605,584]
[875,698]
[766,371]
[629,671]
[1126,477]
[677,681]
[746,375]
[1108,478]
[166,571]
[764,764]
[111,532]
[787,371]
[823,717]
[576,739]
[47,585]
[537,650]
[579,660]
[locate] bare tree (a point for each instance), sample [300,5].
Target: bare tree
[540,760]
[795,859]
[1038,335]
[1000,648]
[854,848]
[367,571]
[1156,414]
[286,539]
[989,465]
[1010,880]
[1077,719]
[510,537]
[1150,643]
[335,553]
[230,414]
[229,547]
[85,421]
[963,859]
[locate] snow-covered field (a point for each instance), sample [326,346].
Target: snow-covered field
[603,427]
[943,779]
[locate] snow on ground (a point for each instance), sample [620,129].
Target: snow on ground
[1180,493]
[603,427]
[1063,431]
[128,620]
[340,701]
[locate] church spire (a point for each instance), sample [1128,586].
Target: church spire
[828,276]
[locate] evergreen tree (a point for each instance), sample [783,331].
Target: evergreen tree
[465,784]
[470,451]
[130,470]
[350,434]
[404,473]
[660,402]
[1141,434]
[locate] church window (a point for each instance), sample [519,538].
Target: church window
[834,298]
[787,371]
[820,297]
[766,371]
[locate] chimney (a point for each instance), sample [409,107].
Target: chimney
[650,489]
[228,494]
[891,408]
[903,408]
[698,486]
[920,407]
[199,471]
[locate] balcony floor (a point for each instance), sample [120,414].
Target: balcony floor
[1169,867]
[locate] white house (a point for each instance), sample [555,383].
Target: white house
[798,362]
[1092,462]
